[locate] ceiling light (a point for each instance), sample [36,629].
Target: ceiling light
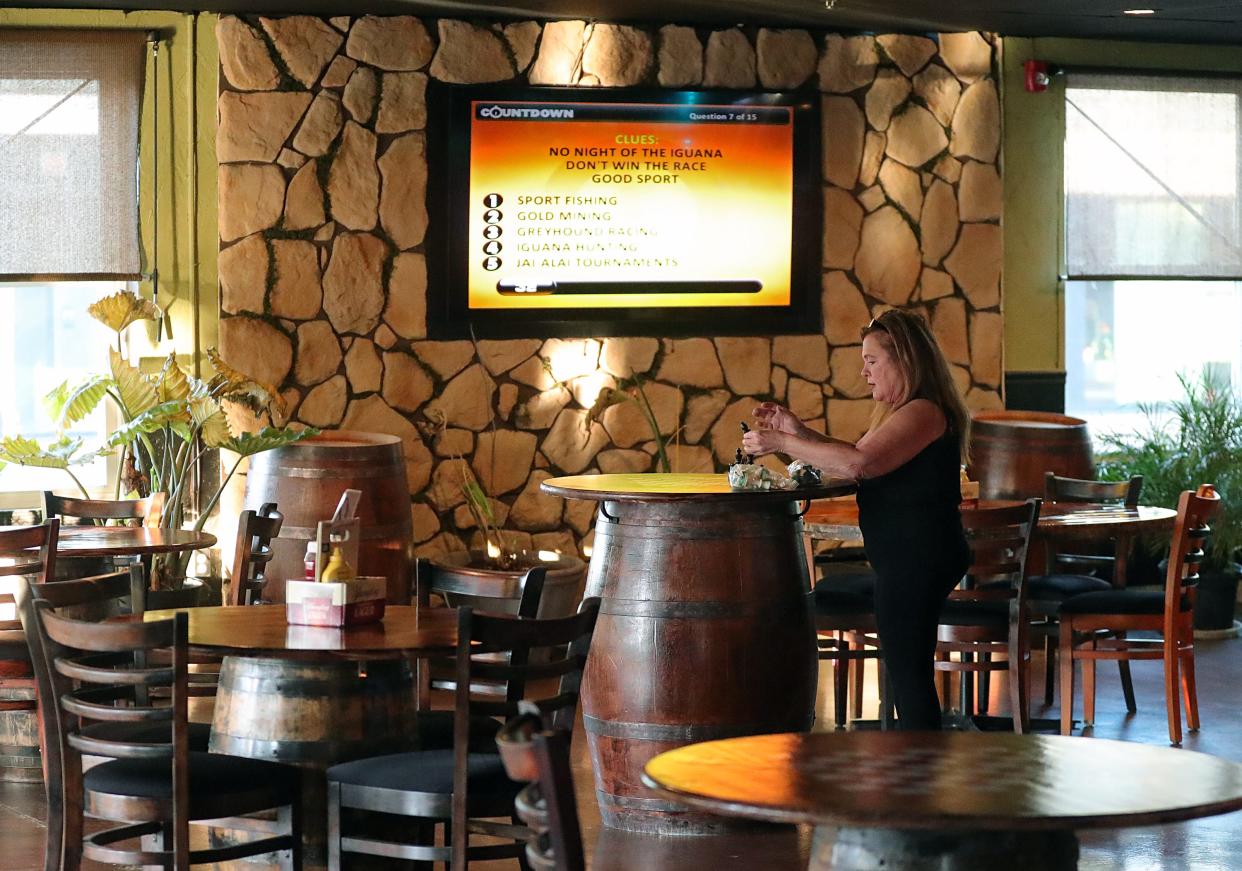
[1138,12]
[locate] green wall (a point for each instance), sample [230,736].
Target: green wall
[186,80]
[1033,133]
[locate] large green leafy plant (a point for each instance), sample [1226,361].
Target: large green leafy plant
[169,419]
[1193,440]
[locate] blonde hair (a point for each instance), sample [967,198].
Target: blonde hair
[925,371]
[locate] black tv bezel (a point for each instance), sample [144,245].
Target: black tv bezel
[447,244]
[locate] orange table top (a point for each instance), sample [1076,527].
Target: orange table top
[660,487]
[947,780]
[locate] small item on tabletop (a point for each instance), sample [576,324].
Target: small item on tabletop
[970,491]
[805,475]
[746,474]
[339,597]
[310,563]
[338,568]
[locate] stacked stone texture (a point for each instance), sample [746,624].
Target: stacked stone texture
[323,278]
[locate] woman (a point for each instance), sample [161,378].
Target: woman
[907,468]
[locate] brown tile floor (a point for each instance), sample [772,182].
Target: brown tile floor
[1213,844]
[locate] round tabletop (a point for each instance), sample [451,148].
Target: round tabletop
[1068,519]
[663,487]
[958,781]
[261,630]
[110,541]
[838,520]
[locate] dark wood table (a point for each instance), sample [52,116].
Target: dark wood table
[704,631]
[260,630]
[1060,523]
[953,800]
[118,541]
[315,696]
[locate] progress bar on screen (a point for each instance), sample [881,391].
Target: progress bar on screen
[562,288]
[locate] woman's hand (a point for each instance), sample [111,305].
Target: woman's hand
[771,416]
[764,441]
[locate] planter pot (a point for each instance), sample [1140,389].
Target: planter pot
[193,593]
[1216,600]
[460,571]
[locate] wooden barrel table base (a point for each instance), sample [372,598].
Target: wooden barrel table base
[313,715]
[704,632]
[21,761]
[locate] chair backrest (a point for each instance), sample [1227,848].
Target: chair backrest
[97,672]
[430,578]
[541,758]
[255,532]
[999,541]
[566,641]
[1059,489]
[148,510]
[472,589]
[24,551]
[1190,531]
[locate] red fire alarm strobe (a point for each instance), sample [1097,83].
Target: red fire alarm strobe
[1037,76]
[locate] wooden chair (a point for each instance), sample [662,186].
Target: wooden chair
[147,510]
[458,787]
[255,531]
[153,783]
[25,551]
[1169,612]
[1069,574]
[846,635]
[99,597]
[547,806]
[988,615]
[435,728]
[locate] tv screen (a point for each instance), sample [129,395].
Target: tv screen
[592,212]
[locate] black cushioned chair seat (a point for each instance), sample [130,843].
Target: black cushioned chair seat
[845,593]
[435,732]
[1057,588]
[1118,602]
[149,733]
[956,612]
[211,774]
[429,771]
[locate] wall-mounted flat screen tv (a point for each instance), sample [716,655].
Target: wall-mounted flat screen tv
[594,212]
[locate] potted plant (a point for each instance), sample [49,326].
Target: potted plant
[169,421]
[1196,439]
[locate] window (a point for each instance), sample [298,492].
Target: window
[69,112]
[1153,243]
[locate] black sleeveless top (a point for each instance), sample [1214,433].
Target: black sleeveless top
[910,518]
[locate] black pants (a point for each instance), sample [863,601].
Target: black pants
[907,611]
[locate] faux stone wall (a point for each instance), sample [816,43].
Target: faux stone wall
[323,279]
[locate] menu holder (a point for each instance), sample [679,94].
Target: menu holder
[347,602]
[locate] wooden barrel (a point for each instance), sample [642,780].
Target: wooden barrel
[20,759]
[312,715]
[1011,450]
[705,632]
[306,481]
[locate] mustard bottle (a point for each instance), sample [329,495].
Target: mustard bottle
[337,568]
